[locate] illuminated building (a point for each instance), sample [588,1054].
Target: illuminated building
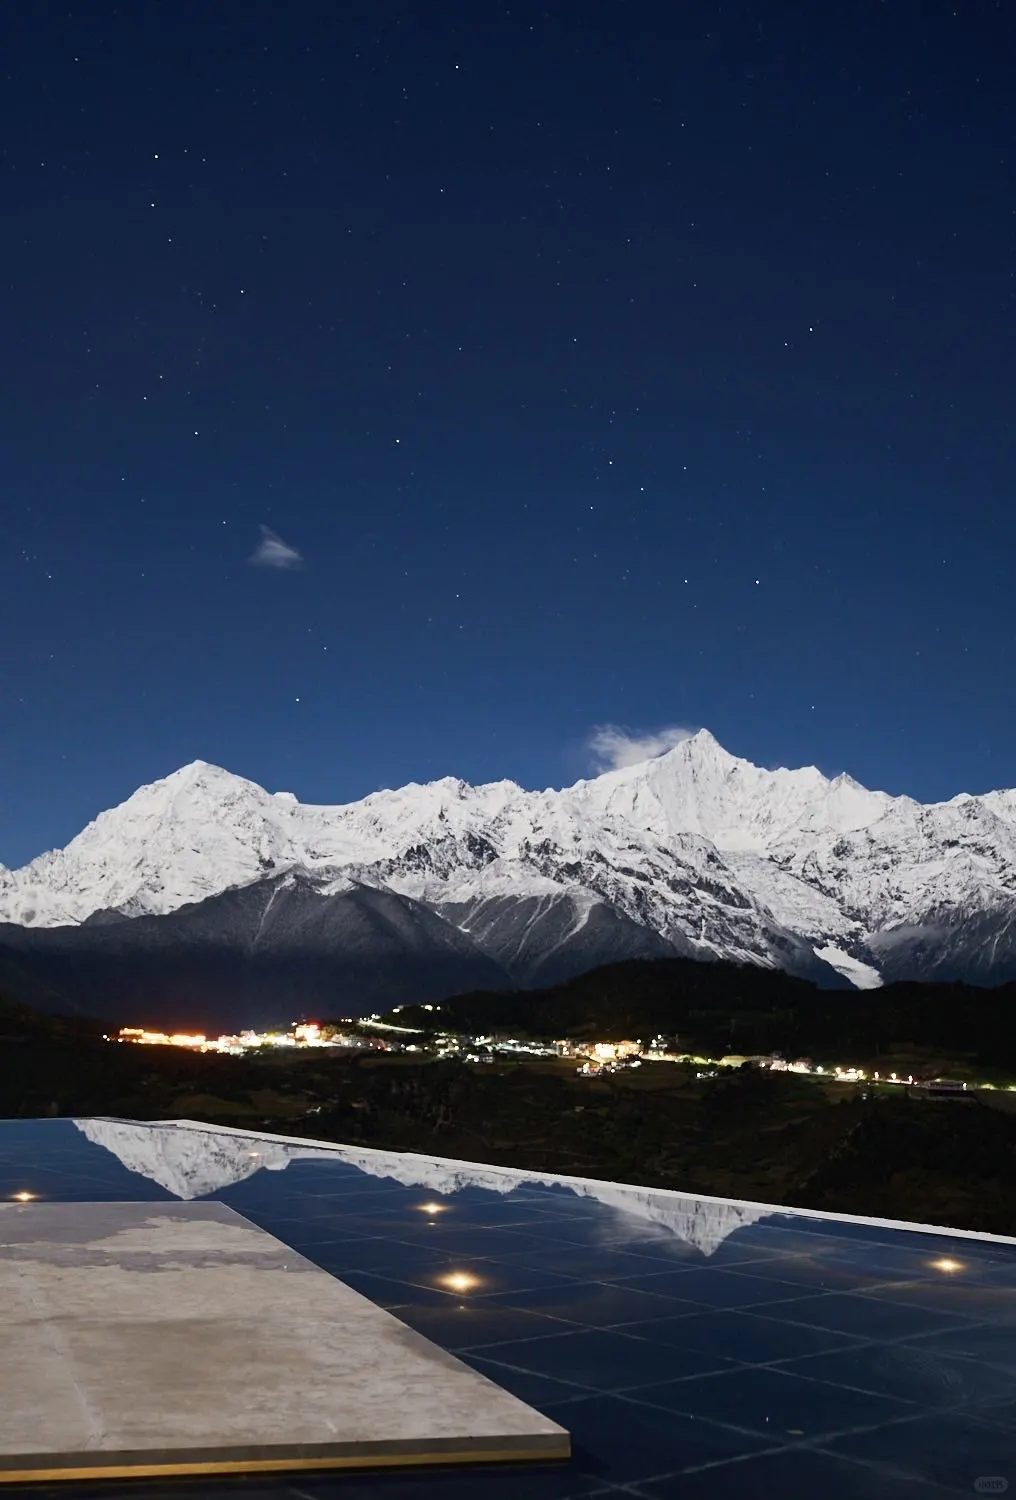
[611,1051]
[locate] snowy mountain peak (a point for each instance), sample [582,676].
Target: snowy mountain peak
[698,787]
[705,742]
[696,851]
[189,835]
[197,773]
[700,753]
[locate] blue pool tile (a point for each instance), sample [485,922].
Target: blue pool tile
[598,1304]
[888,1253]
[714,1288]
[487,1482]
[600,1358]
[536,1390]
[743,1336]
[916,1261]
[991,1343]
[470,1324]
[419,1282]
[819,1273]
[942,1449]
[866,1317]
[789,1236]
[971,1300]
[335,1175]
[996,1414]
[386,1292]
[622,1441]
[591,1264]
[779,1406]
[738,1251]
[795,1474]
[496,1242]
[620,1234]
[686,1364]
[911,1370]
[381,1256]
[998,1274]
[411,1218]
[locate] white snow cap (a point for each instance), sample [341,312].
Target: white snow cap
[712,853]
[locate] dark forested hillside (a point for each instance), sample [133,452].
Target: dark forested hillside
[720,1007]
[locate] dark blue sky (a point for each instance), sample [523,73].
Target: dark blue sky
[629,363]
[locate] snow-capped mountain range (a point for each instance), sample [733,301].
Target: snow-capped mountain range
[197,1161]
[695,853]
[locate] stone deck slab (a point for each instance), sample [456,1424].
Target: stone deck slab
[153,1339]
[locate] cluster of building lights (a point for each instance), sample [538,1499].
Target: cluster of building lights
[594,1057]
[307,1034]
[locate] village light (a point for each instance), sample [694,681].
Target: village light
[23,1197]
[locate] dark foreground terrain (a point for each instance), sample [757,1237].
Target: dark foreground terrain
[774,1138]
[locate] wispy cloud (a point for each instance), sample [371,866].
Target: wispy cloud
[611,747]
[273,552]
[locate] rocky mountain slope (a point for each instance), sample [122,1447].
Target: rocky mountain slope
[259,955]
[696,853]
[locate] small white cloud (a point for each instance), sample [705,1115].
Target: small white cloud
[274,552]
[613,747]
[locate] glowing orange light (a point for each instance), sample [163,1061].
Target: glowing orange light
[23,1197]
[947,1264]
[432,1208]
[460,1281]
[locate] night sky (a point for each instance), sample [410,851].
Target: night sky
[396,390]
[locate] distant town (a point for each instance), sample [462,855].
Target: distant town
[592,1058]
